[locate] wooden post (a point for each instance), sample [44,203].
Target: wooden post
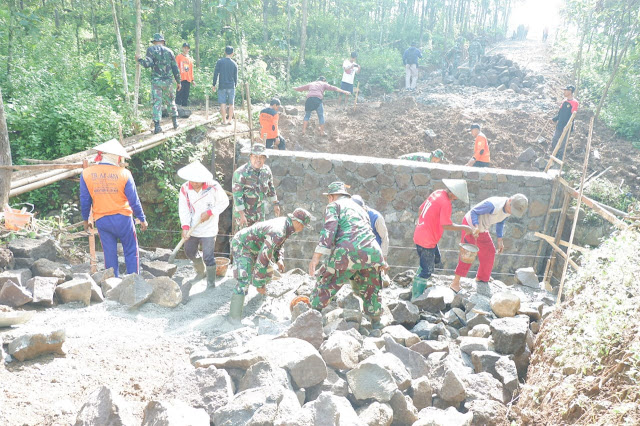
[5,157]
[547,219]
[206,105]
[576,216]
[557,148]
[558,236]
[120,134]
[250,119]
[136,92]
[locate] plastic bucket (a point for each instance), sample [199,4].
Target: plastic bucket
[299,299]
[14,220]
[468,253]
[222,264]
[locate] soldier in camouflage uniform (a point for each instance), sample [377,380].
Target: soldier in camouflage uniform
[163,63]
[452,59]
[354,254]
[252,184]
[475,49]
[427,157]
[257,250]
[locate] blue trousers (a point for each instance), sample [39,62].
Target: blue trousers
[429,257]
[119,227]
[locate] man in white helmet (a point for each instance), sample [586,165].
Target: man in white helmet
[201,201]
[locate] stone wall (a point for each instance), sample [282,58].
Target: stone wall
[397,188]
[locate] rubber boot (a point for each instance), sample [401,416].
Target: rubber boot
[236,307]
[198,265]
[174,119]
[418,286]
[156,129]
[211,276]
[185,289]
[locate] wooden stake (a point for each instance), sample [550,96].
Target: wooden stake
[567,128]
[250,119]
[41,166]
[576,216]
[556,239]
[547,219]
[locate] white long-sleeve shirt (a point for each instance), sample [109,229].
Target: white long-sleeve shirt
[210,199]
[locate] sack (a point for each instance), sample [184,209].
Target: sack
[312,104]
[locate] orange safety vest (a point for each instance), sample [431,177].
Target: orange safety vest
[185,65]
[106,184]
[481,145]
[269,123]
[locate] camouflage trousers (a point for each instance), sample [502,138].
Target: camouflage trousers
[163,92]
[243,272]
[366,283]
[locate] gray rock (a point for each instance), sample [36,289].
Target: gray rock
[376,414]
[333,384]
[393,365]
[341,349]
[257,406]
[299,309]
[242,361]
[423,329]
[505,304]
[7,319]
[401,335]
[42,290]
[110,283]
[174,413]
[39,248]
[509,334]
[264,374]
[532,312]
[453,388]
[485,361]
[480,330]
[421,393]
[161,254]
[527,155]
[6,259]
[404,412]
[430,134]
[14,295]
[307,326]
[472,344]
[413,361]
[487,412]
[330,409]
[133,291]
[159,268]
[522,359]
[527,277]
[18,276]
[432,416]
[405,313]
[427,347]
[371,347]
[299,358]
[232,342]
[370,380]
[474,319]
[23,262]
[103,407]
[435,299]
[166,292]
[48,268]
[507,374]
[484,386]
[96,291]
[101,276]
[76,290]
[30,346]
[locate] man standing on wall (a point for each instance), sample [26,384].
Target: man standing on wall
[481,157]
[258,250]
[434,218]
[200,202]
[410,60]
[426,157]
[269,131]
[568,107]
[185,65]
[252,185]
[226,75]
[492,211]
[350,68]
[163,64]
[110,190]
[354,254]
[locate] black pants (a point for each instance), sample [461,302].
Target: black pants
[182,95]
[556,139]
[282,143]
[429,258]
[481,164]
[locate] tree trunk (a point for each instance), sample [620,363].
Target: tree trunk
[123,63]
[578,67]
[265,21]
[197,12]
[303,32]
[94,28]
[10,41]
[288,80]
[136,93]
[5,157]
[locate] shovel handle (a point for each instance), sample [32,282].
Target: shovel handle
[173,254]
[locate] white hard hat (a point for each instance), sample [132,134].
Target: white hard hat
[458,187]
[112,147]
[195,172]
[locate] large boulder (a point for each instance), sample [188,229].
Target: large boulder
[421,393]
[264,374]
[484,386]
[527,277]
[435,299]
[29,346]
[166,292]
[341,349]
[133,291]
[307,326]
[509,334]
[414,362]
[404,412]
[505,304]
[299,358]
[487,412]
[507,372]
[96,292]
[174,413]
[42,290]
[470,344]
[405,313]
[48,268]
[18,276]
[330,409]
[258,406]
[103,407]
[158,268]
[432,416]
[485,361]
[376,414]
[394,366]
[39,248]
[76,290]
[453,388]
[14,295]
[369,380]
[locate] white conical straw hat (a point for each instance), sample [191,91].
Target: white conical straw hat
[112,147]
[195,172]
[459,188]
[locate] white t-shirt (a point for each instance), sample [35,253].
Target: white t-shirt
[348,76]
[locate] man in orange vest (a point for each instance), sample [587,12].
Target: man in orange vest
[481,156]
[110,190]
[185,65]
[269,125]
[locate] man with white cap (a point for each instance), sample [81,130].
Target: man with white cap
[252,185]
[200,202]
[492,211]
[110,190]
[258,250]
[433,220]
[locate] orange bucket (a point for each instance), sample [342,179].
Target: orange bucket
[222,263]
[15,220]
[298,299]
[468,253]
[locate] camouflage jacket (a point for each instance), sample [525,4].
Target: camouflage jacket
[250,187]
[475,48]
[347,237]
[163,63]
[264,243]
[417,156]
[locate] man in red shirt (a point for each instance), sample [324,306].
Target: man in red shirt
[434,219]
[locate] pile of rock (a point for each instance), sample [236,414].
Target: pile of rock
[498,71]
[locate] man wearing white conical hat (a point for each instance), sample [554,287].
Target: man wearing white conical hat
[201,201]
[435,218]
[111,191]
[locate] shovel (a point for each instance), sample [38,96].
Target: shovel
[172,256]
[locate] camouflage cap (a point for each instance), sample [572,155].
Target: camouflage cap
[438,153]
[337,188]
[259,149]
[302,216]
[157,37]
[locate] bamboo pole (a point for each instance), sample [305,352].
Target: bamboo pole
[41,166]
[136,90]
[548,273]
[562,243]
[250,119]
[547,218]
[44,182]
[558,250]
[575,217]
[593,204]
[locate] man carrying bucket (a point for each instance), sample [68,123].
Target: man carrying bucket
[257,249]
[434,219]
[111,191]
[200,202]
[492,211]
